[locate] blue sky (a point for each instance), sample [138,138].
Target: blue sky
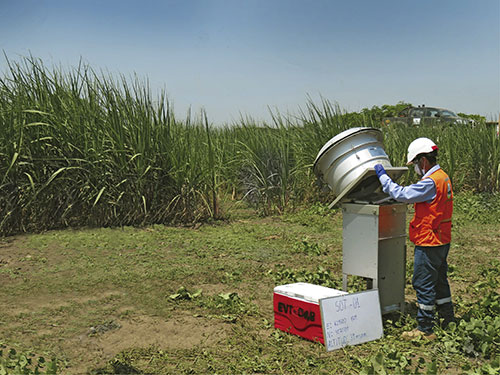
[243,57]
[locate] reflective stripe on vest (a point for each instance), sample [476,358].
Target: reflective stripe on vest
[431,223]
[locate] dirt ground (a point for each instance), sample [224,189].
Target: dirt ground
[86,296]
[43,318]
[95,345]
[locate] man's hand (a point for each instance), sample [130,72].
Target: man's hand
[379,170]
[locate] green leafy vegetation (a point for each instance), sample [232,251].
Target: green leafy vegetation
[308,247]
[320,276]
[14,362]
[183,293]
[475,207]
[79,148]
[197,300]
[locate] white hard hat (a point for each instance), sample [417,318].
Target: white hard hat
[420,146]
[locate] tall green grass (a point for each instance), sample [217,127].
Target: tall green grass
[80,148]
[470,155]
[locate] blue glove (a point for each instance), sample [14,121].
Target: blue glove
[379,170]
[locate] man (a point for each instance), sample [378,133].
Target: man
[430,231]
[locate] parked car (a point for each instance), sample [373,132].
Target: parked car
[422,115]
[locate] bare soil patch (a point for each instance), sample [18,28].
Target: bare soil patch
[89,351]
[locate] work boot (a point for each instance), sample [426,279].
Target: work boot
[445,322]
[416,333]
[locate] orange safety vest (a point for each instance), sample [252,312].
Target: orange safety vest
[431,224]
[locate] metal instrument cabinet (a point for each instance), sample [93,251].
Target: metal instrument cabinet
[374,247]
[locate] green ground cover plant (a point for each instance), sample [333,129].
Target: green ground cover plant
[180,299]
[12,362]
